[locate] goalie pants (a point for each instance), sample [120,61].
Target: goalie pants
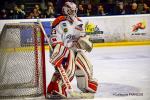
[74,65]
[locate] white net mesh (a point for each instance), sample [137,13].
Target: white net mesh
[21,61]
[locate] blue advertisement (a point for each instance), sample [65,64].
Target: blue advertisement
[26,36]
[26,33]
[47,27]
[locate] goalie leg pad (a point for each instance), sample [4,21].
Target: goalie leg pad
[83,63]
[70,65]
[56,86]
[84,74]
[58,54]
[84,83]
[92,86]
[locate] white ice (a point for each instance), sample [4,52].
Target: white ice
[123,72]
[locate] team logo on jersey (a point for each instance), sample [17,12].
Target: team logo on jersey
[70,36]
[65,30]
[64,24]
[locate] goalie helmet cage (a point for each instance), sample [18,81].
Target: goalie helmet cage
[22,61]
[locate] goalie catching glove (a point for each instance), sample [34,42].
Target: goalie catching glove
[85,43]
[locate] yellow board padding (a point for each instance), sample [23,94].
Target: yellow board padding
[109,44]
[20,49]
[95,45]
[125,43]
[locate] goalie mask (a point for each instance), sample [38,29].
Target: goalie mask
[70,10]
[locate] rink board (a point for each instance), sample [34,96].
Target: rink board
[133,43]
[96,45]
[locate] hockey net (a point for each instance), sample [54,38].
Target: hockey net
[22,61]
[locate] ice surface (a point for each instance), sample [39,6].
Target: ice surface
[123,72]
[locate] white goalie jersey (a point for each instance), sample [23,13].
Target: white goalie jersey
[67,32]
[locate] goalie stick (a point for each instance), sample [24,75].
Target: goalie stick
[47,39]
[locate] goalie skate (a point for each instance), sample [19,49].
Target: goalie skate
[81,95]
[73,95]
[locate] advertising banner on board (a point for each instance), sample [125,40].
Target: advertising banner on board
[120,28]
[106,28]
